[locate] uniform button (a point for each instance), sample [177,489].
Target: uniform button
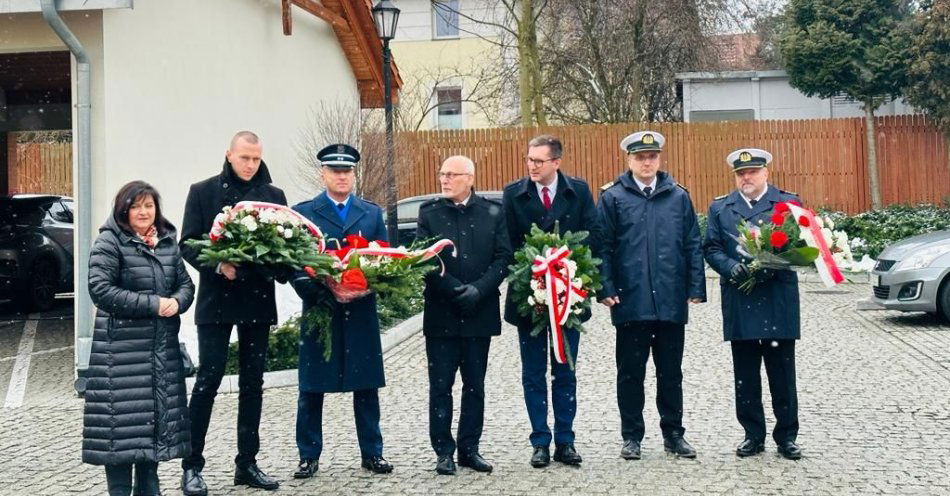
[225,185]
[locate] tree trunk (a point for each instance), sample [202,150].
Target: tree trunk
[525,64]
[872,156]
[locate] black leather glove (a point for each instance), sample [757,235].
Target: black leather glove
[466,297]
[739,272]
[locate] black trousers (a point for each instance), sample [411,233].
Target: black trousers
[446,356]
[779,358]
[212,356]
[119,479]
[635,341]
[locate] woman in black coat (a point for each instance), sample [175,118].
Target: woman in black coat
[136,405]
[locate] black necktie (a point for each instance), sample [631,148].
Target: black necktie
[340,206]
[647,191]
[753,202]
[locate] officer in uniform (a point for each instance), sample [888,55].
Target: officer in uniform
[652,269]
[764,324]
[356,363]
[462,310]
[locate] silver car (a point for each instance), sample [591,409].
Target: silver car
[913,275]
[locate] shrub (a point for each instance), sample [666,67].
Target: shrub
[870,232]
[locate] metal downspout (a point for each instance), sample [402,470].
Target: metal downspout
[83,303]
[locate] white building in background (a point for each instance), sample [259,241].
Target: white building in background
[762,95]
[173,80]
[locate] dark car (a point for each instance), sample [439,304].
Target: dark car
[36,249]
[407,211]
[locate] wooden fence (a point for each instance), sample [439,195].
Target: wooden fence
[39,167]
[824,160]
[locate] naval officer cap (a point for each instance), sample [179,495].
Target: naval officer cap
[339,156]
[748,158]
[643,141]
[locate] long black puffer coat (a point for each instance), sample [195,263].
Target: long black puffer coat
[136,404]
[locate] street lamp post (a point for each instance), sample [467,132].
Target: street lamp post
[386,16]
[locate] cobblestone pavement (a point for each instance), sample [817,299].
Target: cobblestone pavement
[873,390]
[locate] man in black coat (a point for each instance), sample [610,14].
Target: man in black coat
[224,294]
[652,268]
[764,324]
[544,197]
[462,309]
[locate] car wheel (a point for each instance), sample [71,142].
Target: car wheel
[40,291]
[943,301]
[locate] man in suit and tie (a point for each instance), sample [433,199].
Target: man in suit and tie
[762,325]
[356,363]
[547,196]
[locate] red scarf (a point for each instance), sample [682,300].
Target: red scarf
[150,237]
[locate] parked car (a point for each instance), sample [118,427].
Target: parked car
[407,213]
[36,249]
[914,275]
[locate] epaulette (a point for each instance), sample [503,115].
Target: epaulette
[429,203]
[609,185]
[721,197]
[788,192]
[683,188]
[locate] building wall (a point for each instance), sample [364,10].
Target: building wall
[768,96]
[425,61]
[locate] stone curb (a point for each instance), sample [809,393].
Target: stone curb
[284,378]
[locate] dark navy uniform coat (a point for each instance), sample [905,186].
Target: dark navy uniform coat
[357,360]
[771,311]
[650,250]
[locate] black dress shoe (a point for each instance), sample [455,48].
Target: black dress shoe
[253,477]
[790,450]
[377,464]
[192,484]
[475,462]
[679,447]
[306,468]
[630,450]
[541,457]
[445,465]
[566,454]
[750,447]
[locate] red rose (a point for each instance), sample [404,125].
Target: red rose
[803,221]
[781,208]
[310,272]
[356,241]
[214,239]
[778,239]
[382,244]
[778,219]
[354,279]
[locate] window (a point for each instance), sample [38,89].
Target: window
[445,19]
[721,115]
[449,102]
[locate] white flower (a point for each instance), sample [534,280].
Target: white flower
[830,223]
[535,284]
[540,295]
[578,310]
[571,264]
[531,300]
[280,229]
[858,243]
[288,233]
[249,223]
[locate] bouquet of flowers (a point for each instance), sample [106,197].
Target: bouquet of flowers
[792,238]
[553,279]
[362,267]
[266,234]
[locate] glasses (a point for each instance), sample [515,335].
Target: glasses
[451,175]
[538,163]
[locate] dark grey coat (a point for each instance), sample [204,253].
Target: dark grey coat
[483,252]
[136,405]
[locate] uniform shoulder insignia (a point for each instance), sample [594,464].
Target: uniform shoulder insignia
[721,197]
[683,188]
[608,185]
[788,192]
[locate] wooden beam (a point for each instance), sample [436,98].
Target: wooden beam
[369,47]
[324,13]
[287,17]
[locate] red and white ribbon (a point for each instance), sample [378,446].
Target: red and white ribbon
[403,252]
[557,278]
[259,205]
[825,263]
